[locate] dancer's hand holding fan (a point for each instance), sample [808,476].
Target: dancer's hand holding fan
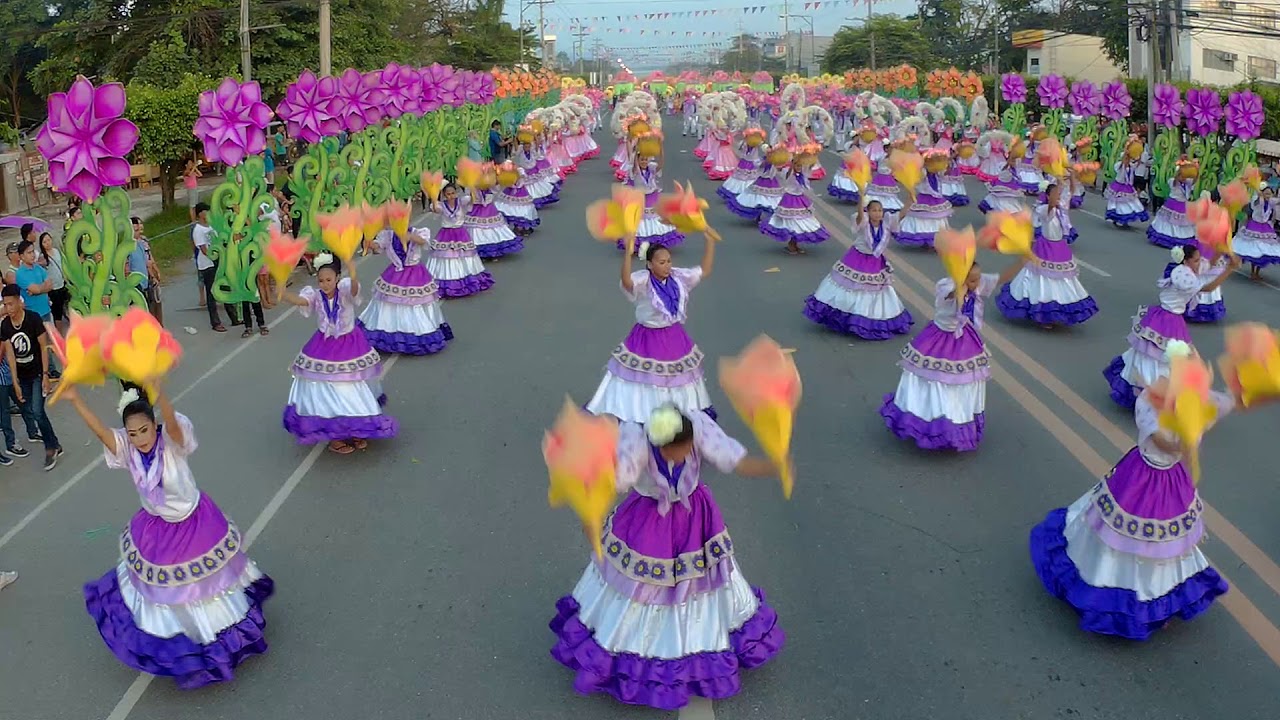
[1008,233]
[857,167]
[618,217]
[957,249]
[763,386]
[341,231]
[80,353]
[1185,405]
[581,453]
[432,184]
[1251,364]
[138,349]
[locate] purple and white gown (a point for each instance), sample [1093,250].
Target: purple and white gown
[1256,242]
[1153,327]
[760,198]
[1004,194]
[185,601]
[883,188]
[940,403]
[667,614]
[750,165]
[793,220]
[541,190]
[1047,290]
[517,207]
[1125,555]
[653,229]
[1170,227]
[489,230]
[857,296]
[453,260]
[1123,204]
[1209,306]
[337,378]
[404,315]
[657,363]
[930,213]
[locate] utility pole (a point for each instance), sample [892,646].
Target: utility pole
[246,60]
[1153,63]
[786,35]
[871,35]
[326,38]
[542,32]
[580,33]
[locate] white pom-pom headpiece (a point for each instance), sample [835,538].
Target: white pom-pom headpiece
[643,250]
[321,260]
[1176,349]
[1178,254]
[663,426]
[128,396]
[1044,186]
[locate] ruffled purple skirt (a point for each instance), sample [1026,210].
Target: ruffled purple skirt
[849,324]
[404,343]
[1045,313]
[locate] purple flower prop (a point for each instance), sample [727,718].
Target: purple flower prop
[1244,115]
[488,89]
[1085,99]
[1166,107]
[434,78]
[472,86]
[1052,91]
[307,108]
[233,122]
[1116,101]
[403,88]
[1203,111]
[1013,88]
[359,100]
[85,140]
[448,84]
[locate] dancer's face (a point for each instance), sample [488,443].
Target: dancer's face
[875,213]
[975,277]
[327,279]
[141,431]
[660,265]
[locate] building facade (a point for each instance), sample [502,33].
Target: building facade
[1079,57]
[1218,42]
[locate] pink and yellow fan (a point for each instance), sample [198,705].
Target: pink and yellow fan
[908,170]
[80,353]
[1187,408]
[763,386]
[397,215]
[1252,178]
[282,255]
[137,349]
[1008,233]
[618,217]
[684,210]
[1251,364]
[581,451]
[470,173]
[957,249]
[1051,157]
[1214,230]
[1234,197]
[857,167]
[372,221]
[432,184]
[341,231]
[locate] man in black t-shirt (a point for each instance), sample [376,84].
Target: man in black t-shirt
[26,345]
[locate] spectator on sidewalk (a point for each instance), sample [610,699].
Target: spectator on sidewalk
[269,165]
[191,180]
[497,144]
[474,151]
[202,236]
[11,446]
[50,257]
[139,261]
[34,284]
[27,346]
[14,260]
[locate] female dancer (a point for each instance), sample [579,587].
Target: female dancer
[487,228]
[646,175]
[1123,205]
[762,197]
[931,210]
[541,191]
[721,161]
[1155,327]
[185,601]
[667,615]
[1002,151]
[1170,228]
[1257,241]
[1047,290]
[404,315]
[857,296]
[454,261]
[656,363]
[1027,173]
[942,394]
[883,188]
[336,396]
[514,203]
[749,165]
[794,222]
[1125,555]
[1209,307]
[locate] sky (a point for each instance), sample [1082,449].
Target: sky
[645,42]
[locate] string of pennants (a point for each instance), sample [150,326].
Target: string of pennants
[584,22]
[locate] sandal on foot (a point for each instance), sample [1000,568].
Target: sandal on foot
[248,333]
[264,331]
[360,444]
[341,448]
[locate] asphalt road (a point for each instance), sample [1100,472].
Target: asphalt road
[415,580]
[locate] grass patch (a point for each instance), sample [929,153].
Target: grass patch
[170,235]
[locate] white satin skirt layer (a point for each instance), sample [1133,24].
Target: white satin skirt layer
[1102,566]
[315,398]
[201,621]
[1140,369]
[880,304]
[930,400]
[1039,289]
[422,319]
[454,268]
[666,632]
[635,402]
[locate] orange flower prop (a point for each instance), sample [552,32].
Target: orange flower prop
[372,221]
[1198,210]
[80,353]
[616,218]
[432,183]
[136,348]
[397,214]
[763,386]
[1251,364]
[1187,409]
[908,170]
[957,249]
[469,172]
[282,255]
[683,209]
[857,167]
[1008,233]
[1215,230]
[341,230]
[1051,157]
[580,451]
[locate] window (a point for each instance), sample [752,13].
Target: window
[1033,66]
[1266,19]
[1219,60]
[1226,6]
[1262,68]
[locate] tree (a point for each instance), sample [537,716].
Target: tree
[23,22]
[165,115]
[1107,19]
[746,54]
[898,41]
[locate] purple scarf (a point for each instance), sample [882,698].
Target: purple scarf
[148,467]
[399,248]
[668,292]
[671,472]
[877,234]
[969,307]
[331,310]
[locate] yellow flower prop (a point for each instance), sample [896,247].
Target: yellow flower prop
[80,354]
[763,386]
[341,230]
[372,221]
[508,174]
[1251,364]
[649,145]
[470,172]
[1252,177]
[1051,157]
[432,183]
[580,451]
[1008,233]
[683,209]
[397,215]
[935,160]
[957,249]
[282,255]
[136,348]
[908,170]
[857,167]
[1187,410]
[617,218]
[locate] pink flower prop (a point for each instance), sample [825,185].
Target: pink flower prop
[85,140]
[359,101]
[1116,101]
[402,86]
[1084,98]
[484,90]
[1166,110]
[1013,89]
[436,87]
[1203,111]
[307,108]
[233,122]
[1244,115]
[1052,91]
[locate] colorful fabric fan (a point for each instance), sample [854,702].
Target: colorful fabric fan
[1198,210]
[1234,197]
[432,184]
[372,221]
[1251,364]
[616,218]
[1051,157]
[136,348]
[908,170]
[80,354]
[1214,230]
[1252,178]
[282,255]
[957,249]
[1186,407]
[581,451]
[341,231]
[1008,233]
[763,386]
[397,215]
[857,167]
[683,209]
[469,172]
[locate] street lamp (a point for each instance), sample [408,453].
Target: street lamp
[813,41]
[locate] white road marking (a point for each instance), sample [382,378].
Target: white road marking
[131,696]
[697,709]
[1092,268]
